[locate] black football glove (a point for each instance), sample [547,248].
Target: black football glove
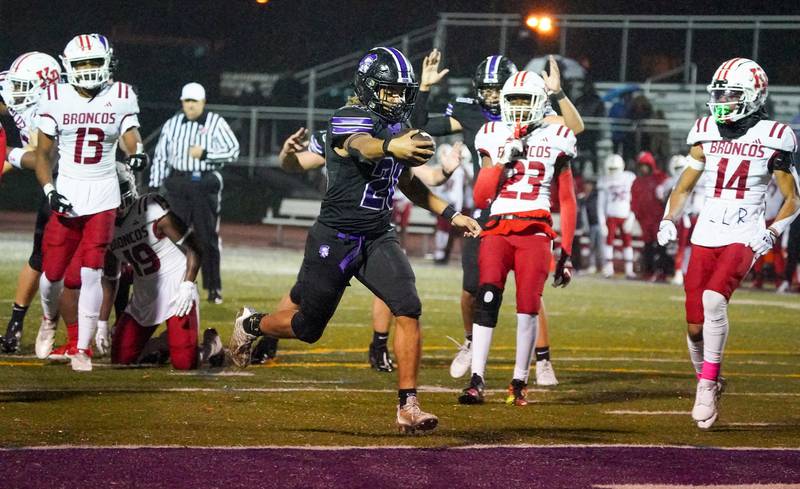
[137,161]
[563,273]
[58,203]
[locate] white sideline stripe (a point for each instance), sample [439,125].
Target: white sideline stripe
[522,446]
[647,413]
[711,486]
[752,302]
[204,373]
[430,389]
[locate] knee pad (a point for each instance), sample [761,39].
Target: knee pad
[296,293]
[410,306]
[715,306]
[487,305]
[307,328]
[35,261]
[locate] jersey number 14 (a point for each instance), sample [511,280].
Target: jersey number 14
[737,181]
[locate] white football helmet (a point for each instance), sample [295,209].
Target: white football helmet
[676,165]
[88,47]
[127,188]
[523,84]
[738,89]
[27,78]
[614,164]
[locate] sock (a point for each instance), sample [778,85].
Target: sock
[252,325]
[440,242]
[715,332]
[72,334]
[627,255]
[542,353]
[89,303]
[527,324]
[404,394]
[608,253]
[380,339]
[481,342]
[50,292]
[695,354]
[18,313]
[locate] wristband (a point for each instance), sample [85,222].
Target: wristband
[15,157]
[48,187]
[450,212]
[385,146]
[559,95]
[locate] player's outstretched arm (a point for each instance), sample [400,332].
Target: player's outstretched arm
[433,176]
[570,116]
[790,209]
[421,195]
[430,75]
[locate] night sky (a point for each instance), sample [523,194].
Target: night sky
[287,35]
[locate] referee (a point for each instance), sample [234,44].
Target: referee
[193,146]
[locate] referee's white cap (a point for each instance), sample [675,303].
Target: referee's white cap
[193,91]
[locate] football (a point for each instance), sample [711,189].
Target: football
[420,136]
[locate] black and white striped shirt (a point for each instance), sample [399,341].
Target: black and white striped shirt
[209,131]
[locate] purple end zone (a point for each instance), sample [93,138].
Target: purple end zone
[568,467]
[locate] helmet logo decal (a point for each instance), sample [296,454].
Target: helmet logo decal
[366,62]
[491,70]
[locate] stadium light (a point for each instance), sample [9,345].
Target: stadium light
[542,25]
[262,2]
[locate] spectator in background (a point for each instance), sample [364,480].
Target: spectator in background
[639,139]
[649,209]
[589,224]
[588,104]
[621,126]
[193,146]
[659,139]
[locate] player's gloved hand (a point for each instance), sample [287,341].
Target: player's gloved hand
[139,160]
[667,232]
[102,339]
[763,241]
[58,203]
[512,151]
[185,299]
[563,274]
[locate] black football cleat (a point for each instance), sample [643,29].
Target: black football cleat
[473,394]
[266,349]
[10,342]
[379,358]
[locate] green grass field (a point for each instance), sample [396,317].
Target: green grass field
[618,350]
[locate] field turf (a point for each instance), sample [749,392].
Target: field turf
[618,350]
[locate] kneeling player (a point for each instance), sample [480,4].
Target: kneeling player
[735,150]
[519,235]
[165,258]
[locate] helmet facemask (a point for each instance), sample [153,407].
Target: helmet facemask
[730,103]
[522,109]
[392,101]
[88,73]
[488,95]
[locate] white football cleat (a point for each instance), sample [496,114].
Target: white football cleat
[545,375]
[783,287]
[705,412]
[81,361]
[608,270]
[45,338]
[241,343]
[462,363]
[411,418]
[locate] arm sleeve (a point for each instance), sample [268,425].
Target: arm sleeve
[158,170]
[568,205]
[419,116]
[224,145]
[486,186]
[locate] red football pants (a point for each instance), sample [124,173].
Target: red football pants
[130,338]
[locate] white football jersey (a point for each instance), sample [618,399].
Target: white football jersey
[736,174]
[26,121]
[158,264]
[527,183]
[617,190]
[87,132]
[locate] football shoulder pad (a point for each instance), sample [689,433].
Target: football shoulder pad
[776,135]
[562,138]
[703,130]
[490,138]
[349,120]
